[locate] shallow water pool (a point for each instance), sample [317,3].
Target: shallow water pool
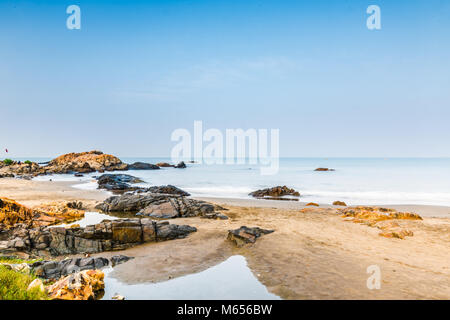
[231,279]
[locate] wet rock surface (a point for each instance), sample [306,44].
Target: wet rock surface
[105,236]
[58,269]
[245,235]
[117,182]
[169,189]
[274,193]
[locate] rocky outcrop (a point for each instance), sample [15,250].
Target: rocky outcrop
[143,166]
[157,205]
[324,169]
[58,269]
[83,285]
[117,182]
[245,235]
[339,203]
[68,163]
[384,219]
[85,162]
[12,213]
[274,193]
[105,236]
[312,204]
[169,189]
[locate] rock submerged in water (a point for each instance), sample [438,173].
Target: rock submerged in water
[143,166]
[245,235]
[274,193]
[117,182]
[105,236]
[83,285]
[324,169]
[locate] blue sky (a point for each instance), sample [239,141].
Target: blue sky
[137,70]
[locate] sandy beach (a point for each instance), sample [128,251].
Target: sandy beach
[314,254]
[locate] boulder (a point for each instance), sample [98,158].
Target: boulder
[36,283]
[181,165]
[164,165]
[143,166]
[245,235]
[339,203]
[117,182]
[58,269]
[311,204]
[83,285]
[274,193]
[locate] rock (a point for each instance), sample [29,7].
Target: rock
[79,175]
[245,235]
[59,212]
[84,162]
[58,269]
[6,175]
[377,214]
[339,203]
[143,166]
[84,285]
[115,260]
[324,169]
[177,207]
[164,165]
[12,213]
[181,165]
[214,215]
[382,218]
[117,182]
[105,236]
[118,297]
[312,204]
[75,205]
[169,189]
[274,193]
[36,283]
[18,267]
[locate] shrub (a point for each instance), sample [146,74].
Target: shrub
[28,162]
[13,286]
[8,162]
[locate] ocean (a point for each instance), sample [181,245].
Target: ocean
[357,181]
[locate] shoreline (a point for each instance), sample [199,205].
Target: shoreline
[314,254]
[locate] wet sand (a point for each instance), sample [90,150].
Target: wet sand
[311,255]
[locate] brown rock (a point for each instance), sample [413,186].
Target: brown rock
[245,235]
[324,169]
[312,204]
[164,165]
[275,192]
[339,203]
[84,285]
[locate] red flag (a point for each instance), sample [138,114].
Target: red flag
[6,150]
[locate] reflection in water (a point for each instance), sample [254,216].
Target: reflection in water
[89,218]
[231,279]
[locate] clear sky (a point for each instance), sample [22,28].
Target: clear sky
[137,70]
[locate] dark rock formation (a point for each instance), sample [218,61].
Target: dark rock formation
[157,205]
[114,182]
[169,189]
[245,235]
[274,193]
[105,236]
[181,165]
[143,166]
[324,169]
[58,269]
